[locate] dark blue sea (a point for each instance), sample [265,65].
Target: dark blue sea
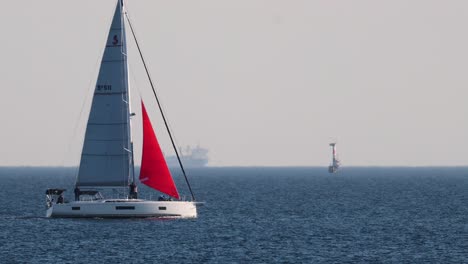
[254,215]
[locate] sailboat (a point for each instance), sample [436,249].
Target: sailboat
[107,162]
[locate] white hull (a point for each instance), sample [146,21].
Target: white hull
[115,208]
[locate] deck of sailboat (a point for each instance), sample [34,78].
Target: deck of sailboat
[123,208]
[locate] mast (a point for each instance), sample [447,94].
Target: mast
[160,108]
[131,172]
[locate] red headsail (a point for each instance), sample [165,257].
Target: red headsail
[154,171]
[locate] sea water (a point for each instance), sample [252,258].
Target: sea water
[253,215]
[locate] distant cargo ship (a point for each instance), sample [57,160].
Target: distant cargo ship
[190,156]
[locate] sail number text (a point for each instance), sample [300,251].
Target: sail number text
[104,87]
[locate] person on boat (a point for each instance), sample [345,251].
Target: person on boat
[161,198]
[60,199]
[133,191]
[77,194]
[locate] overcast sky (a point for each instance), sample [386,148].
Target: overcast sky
[256,82]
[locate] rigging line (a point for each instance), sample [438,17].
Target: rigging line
[159,105]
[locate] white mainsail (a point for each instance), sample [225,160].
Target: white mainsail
[106,159]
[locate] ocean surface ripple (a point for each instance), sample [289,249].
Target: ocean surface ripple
[254,215]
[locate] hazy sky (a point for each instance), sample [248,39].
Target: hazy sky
[257,82]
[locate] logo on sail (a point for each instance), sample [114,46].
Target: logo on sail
[115,41]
